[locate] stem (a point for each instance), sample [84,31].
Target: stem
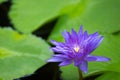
[80,74]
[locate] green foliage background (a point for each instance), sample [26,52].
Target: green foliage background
[18,51]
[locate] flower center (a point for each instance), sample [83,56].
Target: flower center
[76,48]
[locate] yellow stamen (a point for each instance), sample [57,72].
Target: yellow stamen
[76,48]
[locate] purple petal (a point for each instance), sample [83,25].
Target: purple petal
[90,59]
[74,32]
[57,49]
[66,36]
[74,36]
[97,58]
[93,37]
[61,56]
[56,59]
[66,62]
[83,38]
[60,50]
[54,42]
[76,62]
[83,67]
[95,34]
[85,35]
[57,43]
[80,31]
[93,43]
[99,41]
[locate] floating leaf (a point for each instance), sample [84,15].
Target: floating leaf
[109,76]
[28,15]
[102,16]
[20,54]
[70,72]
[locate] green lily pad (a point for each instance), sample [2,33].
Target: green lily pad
[28,15]
[21,54]
[110,76]
[102,16]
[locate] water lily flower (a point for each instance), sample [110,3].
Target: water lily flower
[77,48]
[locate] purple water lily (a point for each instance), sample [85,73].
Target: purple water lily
[77,48]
